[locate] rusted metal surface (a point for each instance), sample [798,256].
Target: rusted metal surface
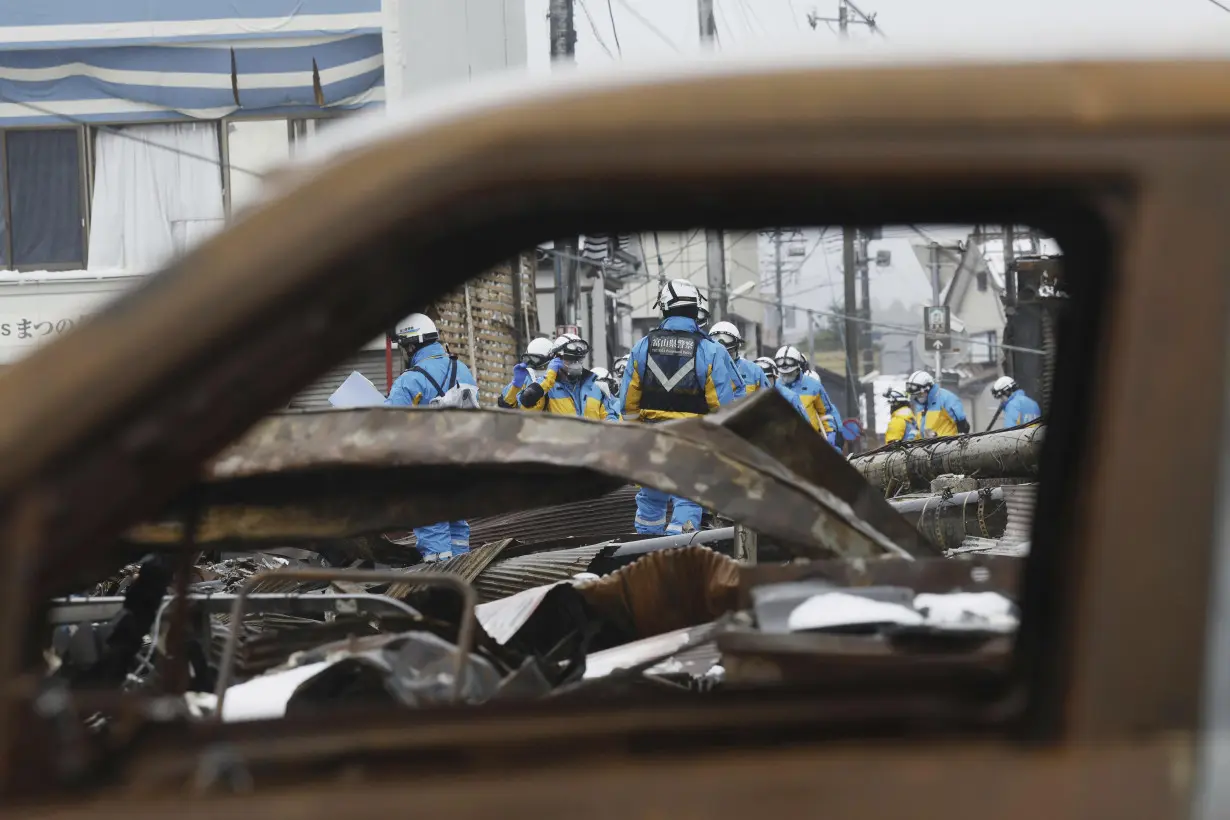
[465,635]
[1125,163]
[1001,453]
[288,477]
[524,572]
[783,435]
[467,566]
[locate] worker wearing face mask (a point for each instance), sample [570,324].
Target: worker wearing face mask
[901,424]
[532,365]
[675,372]
[792,371]
[568,388]
[727,335]
[610,389]
[939,412]
[1015,407]
[768,371]
[433,373]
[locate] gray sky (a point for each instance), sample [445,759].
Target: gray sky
[1018,26]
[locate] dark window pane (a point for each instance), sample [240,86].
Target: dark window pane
[44,171]
[4,215]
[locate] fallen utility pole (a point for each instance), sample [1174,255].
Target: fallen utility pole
[1012,453]
[946,521]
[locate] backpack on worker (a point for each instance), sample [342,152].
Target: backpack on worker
[462,396]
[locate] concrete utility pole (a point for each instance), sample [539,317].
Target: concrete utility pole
[843,18]
[849,274]
[567,274]
[777,279]
[869,358]
[935,300]
[1009,273]
[715,244]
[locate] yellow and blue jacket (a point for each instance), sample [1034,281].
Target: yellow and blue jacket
[580,398]
[821,411]
[677,372]
[753,377]
[901,426]
[942,413]
[1020,409]
[413,388]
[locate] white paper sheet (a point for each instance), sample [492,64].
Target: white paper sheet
[356,391]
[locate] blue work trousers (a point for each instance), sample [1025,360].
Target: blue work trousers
[651,513]
[450,536]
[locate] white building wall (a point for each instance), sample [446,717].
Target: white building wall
[430,43]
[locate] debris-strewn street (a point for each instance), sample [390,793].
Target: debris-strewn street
[567,600]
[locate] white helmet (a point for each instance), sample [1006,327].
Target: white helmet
[679,293]
[603,377]
[768,366]
[789,363]
[1004,387]
[621,364]
[727,335]
[918,385]
[570,346]
[417,331]
[538,352]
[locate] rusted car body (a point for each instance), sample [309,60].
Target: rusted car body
[1100,712]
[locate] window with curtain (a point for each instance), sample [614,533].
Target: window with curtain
[157,192]
[42,224]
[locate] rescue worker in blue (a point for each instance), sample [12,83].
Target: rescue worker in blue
[610,389]
[675,372]
[901,423]
[568,388]
[533,363]
[1015,407]
[431,373]
[727,335]
[821,412]
[938,412]
[768,370]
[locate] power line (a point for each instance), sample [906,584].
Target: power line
[1220,6]
[614,29]
[794,15]
[594,27]
[647,23]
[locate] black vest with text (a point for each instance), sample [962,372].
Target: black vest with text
[670,382]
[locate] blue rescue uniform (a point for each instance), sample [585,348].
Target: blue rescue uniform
[580,398]
[676,372]
[939,413]
[753,377]
[821,411]
[1020,409]
[413,389]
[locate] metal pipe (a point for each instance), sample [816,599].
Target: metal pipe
[465,634]
[89,610]
[946,522]
[667,542]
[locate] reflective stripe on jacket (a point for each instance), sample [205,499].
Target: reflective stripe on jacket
[677,372]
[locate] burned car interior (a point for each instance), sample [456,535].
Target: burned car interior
[179,555]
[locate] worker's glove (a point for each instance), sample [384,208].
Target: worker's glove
[556,366]
[521,375]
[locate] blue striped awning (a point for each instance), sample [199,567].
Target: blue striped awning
[124,61]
